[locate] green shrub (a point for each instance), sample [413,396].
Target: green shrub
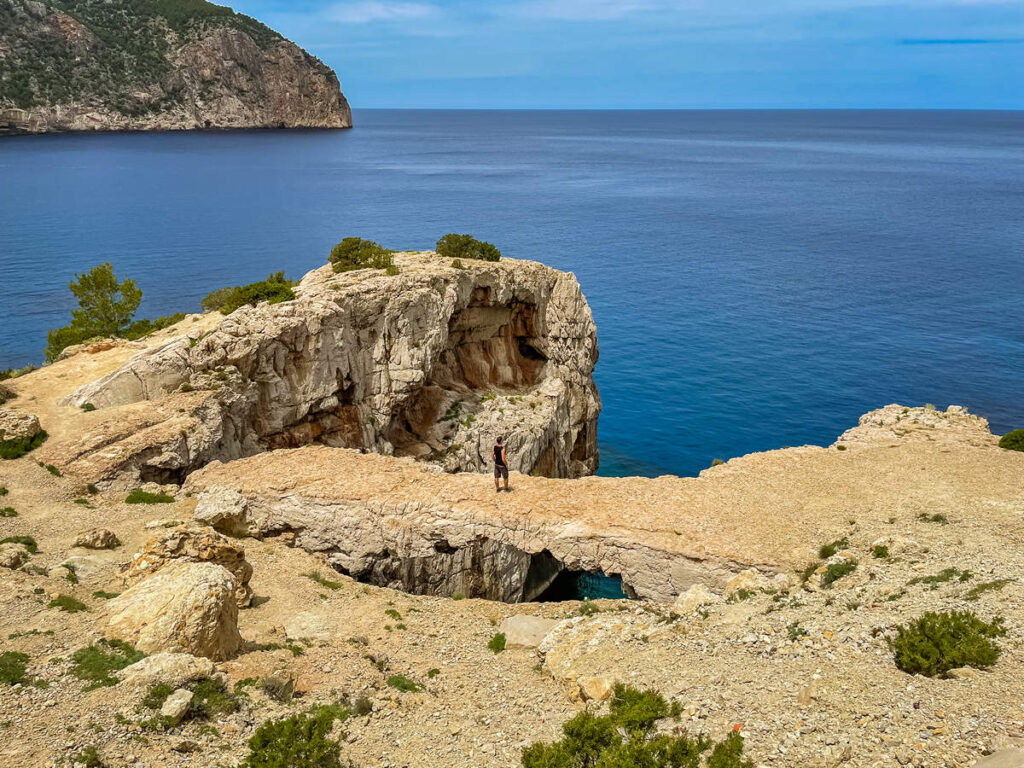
[717,462]
[827,550]
[141,328]
[51,469]
[273,290]
[210,699]
[836,571]
[218,298]
[880,551]
[403,683]
[68,603]
[939,518]
[947,574]
[89,757]
[454,246]
[139,496]
[322,581]
[88,407]
[938,642]
[1013,441]
[391,270]
[96,663]
[299,741]
[6,395]
[3,490]
[14,373]
[157,695]
[977,591]
[105,308]
[457,264]
[497,643]
[15,449]
[356,253]
[27,541]
[8,512]
[590,741]
[12,667]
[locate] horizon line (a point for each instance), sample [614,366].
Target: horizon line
[692,109]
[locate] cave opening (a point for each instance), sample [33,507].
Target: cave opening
[487,569]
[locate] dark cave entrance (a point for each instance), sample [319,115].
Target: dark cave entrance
[584,585]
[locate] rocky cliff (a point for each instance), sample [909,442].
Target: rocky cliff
[431,363]
[115,65]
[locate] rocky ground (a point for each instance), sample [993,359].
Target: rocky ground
[924,502]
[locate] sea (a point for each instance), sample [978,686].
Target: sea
[759,279]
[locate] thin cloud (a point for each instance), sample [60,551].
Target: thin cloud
[367,11]
[961,41]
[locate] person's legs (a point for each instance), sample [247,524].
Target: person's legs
[504,473]
[497,476]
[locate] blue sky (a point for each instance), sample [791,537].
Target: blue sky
[663,53]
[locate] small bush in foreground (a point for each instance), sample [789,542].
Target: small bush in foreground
[12,667]
[210,699]
[403,683]
[596,742]
[989,586]
[8,512]
[1013,441]
[95,663]
[827,550]
[89,757]
[880,551]
[497,643]
[357,253]
[299,741]
[26,541]
[939,518]
[836,571]
[453,246]
[139,496]
[6,395]
[314,576]
[938,642]
[15,449]
[67,603]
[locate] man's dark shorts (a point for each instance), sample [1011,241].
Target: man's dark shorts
[500,471]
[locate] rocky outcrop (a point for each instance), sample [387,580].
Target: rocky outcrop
[897,422]
[432,363]
[184,608]
[194,544]
[17,425]
[122,66]
[174,669]
[97,538]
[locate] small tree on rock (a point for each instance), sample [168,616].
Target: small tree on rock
[106,307]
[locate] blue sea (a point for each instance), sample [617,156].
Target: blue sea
[759,279]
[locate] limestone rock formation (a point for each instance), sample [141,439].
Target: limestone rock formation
[13,555]
[695,597]
[433,363]
[97,538]
[194,544]
[524,631]
[125,66]
[926,423]
[184,607]
[17,425]
[174,669]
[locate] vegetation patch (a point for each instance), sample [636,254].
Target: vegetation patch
[26,541]
[314,576]
[139,496]
[95,664]
[880,551]
[299,741]
[938,642]
[989,586]
[943,576]
[8,512]
[89,758]
[939,518]
[403,683]
[3,490]
[356,253]
[12,667]
[1013,441]
[453,246]
[590,741]
[67,603]
[836,571]
[827,550]
[275,289]
[15,449]
[497,642]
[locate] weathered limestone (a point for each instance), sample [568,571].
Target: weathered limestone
[523,631]
[13,555]
[174,669]
[17,425]
[432,363]
[195,544]
[176,705]
[97,538]
[184,607]
[898,422]
[695,597]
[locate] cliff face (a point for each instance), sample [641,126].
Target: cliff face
[432,363]
[85,65]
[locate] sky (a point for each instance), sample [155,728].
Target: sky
[657,54]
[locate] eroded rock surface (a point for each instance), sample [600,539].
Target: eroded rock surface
[17,425]
[433,363]
[184,607]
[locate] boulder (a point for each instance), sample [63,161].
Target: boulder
[18,425]
[13,555]
[596,688]
[195,544]
[696,596]
[750,579]
[85,568]
[174,669]
[223,509]
[524,631]
[97,538]
[186,607]
[176,705]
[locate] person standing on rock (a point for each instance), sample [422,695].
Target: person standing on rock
[500,466]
